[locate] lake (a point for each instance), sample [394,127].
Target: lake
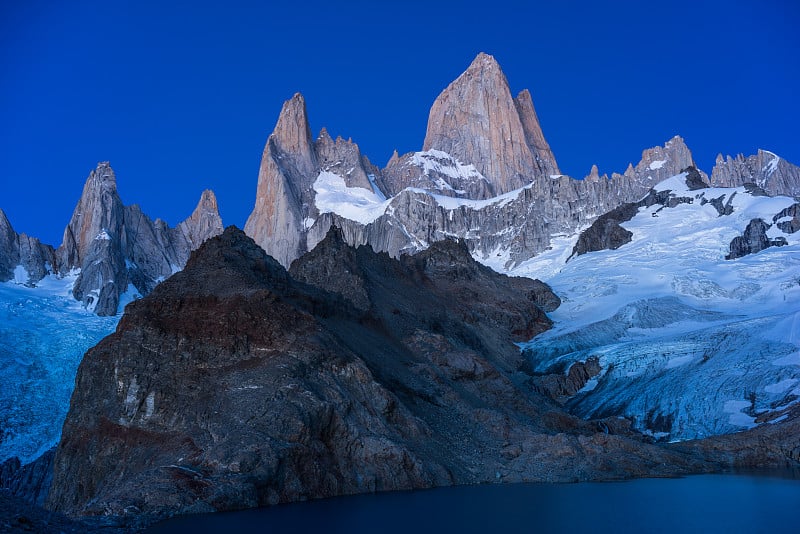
[701,503]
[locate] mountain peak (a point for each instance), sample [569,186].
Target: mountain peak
[208,201]
[477,121]
[534,136]
[292,133]
[484,61]
[204,222]
[102,178]
[99,209]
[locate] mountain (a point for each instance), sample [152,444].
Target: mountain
[768,171]
[22,258]
[254,387]
[689,324]
[486,175]
[387,329]
[355,372]
[115,248]
[476,120]
[284,208]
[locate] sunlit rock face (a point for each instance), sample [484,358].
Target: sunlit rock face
[486,175]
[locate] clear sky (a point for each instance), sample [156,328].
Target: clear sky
[181,96]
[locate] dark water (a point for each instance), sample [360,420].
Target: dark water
[707,503]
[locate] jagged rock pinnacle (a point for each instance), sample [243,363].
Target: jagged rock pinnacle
[476,120]
[204,222]
[99,209]
[292,134]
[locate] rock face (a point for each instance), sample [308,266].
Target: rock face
[771,173]
[486,175]
[29,482]
[284,207]
[476,121]
[203,223]
[116,245]
[753,240]
[561,386]
[502,231]
[234,385]
[34,258]
[605,233]
[514,306]
[9,248]
[788,220]
[99,212]
[113,245]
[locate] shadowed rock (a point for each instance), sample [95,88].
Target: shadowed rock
[753,240]
[234,385]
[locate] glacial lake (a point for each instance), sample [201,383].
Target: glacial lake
[700,503]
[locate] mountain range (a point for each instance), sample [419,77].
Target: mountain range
[486,174]
[465,314]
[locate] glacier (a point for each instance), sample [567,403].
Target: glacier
[44,333]
[690,344]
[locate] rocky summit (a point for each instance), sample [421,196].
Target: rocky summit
[485,174]
[114,248]
[234,384]
[477,121]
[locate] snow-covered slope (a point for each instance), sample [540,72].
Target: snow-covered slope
[44,333]
[690,344]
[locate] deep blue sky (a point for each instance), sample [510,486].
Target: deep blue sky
[182,97]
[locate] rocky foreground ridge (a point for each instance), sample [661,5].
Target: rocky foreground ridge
[237,384]
[114,247]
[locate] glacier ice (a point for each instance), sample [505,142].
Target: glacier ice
[690,344]
[44,333]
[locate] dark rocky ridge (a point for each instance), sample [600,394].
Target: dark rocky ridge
[753,240]
[234,385]
[446,274]
[793,224]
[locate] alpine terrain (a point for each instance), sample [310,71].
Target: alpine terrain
[465,314]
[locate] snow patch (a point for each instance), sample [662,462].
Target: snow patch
[353,203]
[678,361]
[150,404]
[375,188]
[442,163]
[103,236]
[781,386]
[657,164]
[21,275]
[737,417]
[791,359]
[590,385]
[772,166]
[675,184]
[452,203]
